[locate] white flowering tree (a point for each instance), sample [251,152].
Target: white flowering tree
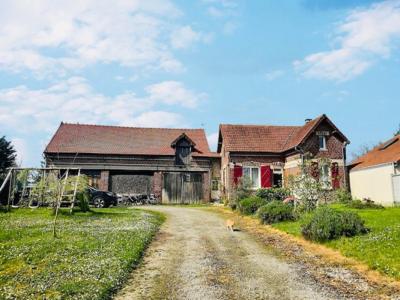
[309,187]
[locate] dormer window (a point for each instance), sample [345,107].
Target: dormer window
[322,142]
[183,149]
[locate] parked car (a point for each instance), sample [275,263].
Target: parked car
[102,199]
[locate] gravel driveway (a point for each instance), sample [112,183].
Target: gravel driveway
[195,257]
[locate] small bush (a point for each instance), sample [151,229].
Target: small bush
[275,211]
[83,201]
[358,204]
[328,224]
[272,194]
[241,191]
[351,224]
[249,206]
[343,196]
[299,211]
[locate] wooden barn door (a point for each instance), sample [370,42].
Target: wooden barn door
[182,188]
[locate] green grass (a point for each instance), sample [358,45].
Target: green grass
[91,257]
[379,249]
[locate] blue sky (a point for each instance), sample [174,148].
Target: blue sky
[198,64]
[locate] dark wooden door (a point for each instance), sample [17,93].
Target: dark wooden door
[182,188]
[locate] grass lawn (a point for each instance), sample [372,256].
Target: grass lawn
[380,248]
[91,257]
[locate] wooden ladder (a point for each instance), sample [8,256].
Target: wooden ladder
[66,197]
[63,194]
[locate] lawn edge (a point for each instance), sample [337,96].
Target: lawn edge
[327,255]
[136,263]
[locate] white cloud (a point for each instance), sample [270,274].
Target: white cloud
[185,36]
[213,141]
[270,76]
[224,10]
[73,100]
[174,92]
[22,150]
[53,37]
[367,35]
[221,8]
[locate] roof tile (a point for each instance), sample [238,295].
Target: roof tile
[99,139]
[265,138]
[379,155]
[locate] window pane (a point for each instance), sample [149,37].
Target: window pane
[255,179]
[246,172]
[325,174]
[322,142]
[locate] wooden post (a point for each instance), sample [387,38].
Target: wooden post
[9,189]
[59,203]
[75,188]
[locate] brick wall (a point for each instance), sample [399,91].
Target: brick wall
[333,144]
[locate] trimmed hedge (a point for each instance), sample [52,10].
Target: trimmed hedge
[272,194]
[275,211]
[328,224]
[249,206]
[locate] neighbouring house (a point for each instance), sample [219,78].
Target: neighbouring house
[176,165]
[267,155]
[376,175]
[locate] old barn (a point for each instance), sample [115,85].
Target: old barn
[176,165]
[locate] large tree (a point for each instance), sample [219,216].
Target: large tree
[7,156]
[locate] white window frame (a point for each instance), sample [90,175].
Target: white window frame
[323,148]
[327,182]
[251,175]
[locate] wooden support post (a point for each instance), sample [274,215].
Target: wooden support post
[9,190]
[59,199]
[75,188]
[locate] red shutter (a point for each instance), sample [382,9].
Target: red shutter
[266,177]
[315,170]
[237,173]
[335,176]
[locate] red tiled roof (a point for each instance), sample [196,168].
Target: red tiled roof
[266,138]
[379,155]
[98,139]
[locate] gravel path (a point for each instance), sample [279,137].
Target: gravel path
[195,257]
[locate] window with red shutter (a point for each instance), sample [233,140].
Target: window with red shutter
[335,176]
[266,177]
[237,173]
